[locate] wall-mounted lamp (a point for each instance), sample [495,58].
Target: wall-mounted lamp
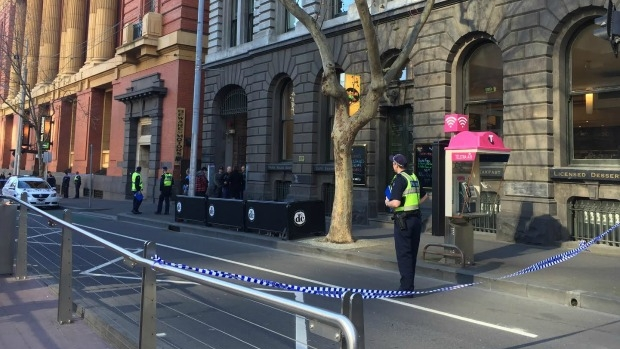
[47,125]
[26,135]
[589,103]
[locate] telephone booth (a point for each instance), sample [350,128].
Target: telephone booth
[465,153]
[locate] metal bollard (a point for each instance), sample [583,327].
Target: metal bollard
[353,308]
[65,286]
[21,264]
[8,213]
[148,303]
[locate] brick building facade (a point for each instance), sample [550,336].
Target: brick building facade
[112,76]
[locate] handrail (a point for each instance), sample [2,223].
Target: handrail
[349,331]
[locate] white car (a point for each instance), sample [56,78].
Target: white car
[40,193]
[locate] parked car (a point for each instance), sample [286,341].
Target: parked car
[38,190]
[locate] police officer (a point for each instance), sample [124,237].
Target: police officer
[77,180]
[66,180]
[404,200]
[165,189]
[136,186]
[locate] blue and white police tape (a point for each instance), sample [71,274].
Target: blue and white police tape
[562,257]
[337,292]
[332,292]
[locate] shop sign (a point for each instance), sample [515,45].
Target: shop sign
[582,174]
[180,135]
[468,156]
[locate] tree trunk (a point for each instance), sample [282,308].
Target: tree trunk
[341,220]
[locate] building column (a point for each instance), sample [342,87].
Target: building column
[6,140]
[105,30]
[63,118]
[49,47]
[88,129]
[17,47]
[73,36]
[101,31]
[33,35]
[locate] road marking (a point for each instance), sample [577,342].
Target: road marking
[516,331]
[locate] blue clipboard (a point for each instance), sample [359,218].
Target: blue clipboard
[388,192]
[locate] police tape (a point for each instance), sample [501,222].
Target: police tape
[338,292]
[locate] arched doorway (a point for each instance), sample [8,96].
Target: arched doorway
[234,116]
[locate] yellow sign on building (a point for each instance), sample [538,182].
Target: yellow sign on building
[353,86]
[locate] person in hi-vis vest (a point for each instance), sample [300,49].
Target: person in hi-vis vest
[136,186]
[405,197]
[165,189]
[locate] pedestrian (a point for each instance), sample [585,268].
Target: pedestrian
[136,189]
[51,180]
[226,183]
[186,183]
[404,199]
[244,179]
[219,182]
[165,189]
[201,182]
[2,176]
[66,180]
[77,180]
[235,183]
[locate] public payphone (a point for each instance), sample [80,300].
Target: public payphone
[464,154]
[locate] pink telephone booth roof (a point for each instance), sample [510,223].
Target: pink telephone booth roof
[477,141]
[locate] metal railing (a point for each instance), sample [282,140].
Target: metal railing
[590,217]
[347,329]
[489,204]
[282,189]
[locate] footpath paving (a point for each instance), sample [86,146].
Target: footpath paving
[590,280]
[28,313]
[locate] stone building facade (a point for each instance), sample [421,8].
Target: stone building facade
[530,71]
[111,79]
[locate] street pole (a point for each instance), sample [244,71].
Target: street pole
[20,122]
[90,185]
[196,105]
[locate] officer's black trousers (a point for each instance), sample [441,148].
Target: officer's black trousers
[407,243]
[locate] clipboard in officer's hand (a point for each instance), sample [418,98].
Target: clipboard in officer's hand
[388,192]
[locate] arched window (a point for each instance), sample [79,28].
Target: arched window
[341,7]
[388,59]
[286,111]
[290,21]
[594,100]
[483,88]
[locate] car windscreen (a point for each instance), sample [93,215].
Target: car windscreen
[33,184]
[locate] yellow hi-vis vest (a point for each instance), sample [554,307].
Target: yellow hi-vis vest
[167,179]
[134,176]
[411,193]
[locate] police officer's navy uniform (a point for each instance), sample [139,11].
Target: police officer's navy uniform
[165,187]
[406,189]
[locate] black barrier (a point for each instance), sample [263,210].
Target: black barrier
[190,208]
[289,220]
[226,212]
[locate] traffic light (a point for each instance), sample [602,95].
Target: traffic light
[610,24]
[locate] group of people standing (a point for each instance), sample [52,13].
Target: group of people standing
[66,183]
[229,184]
